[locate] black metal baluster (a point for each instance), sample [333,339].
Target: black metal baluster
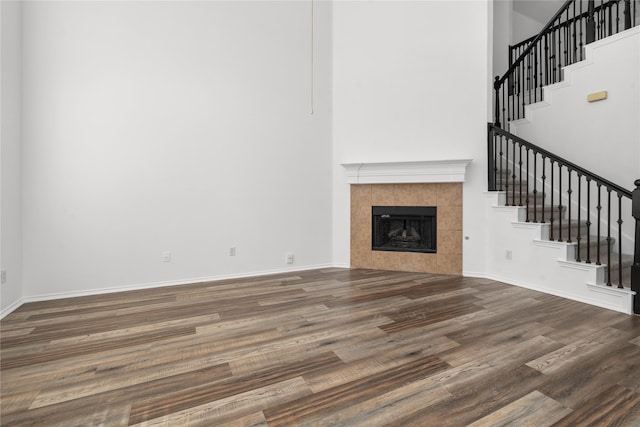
[605,20]
[591,23]
[543,187]
[608,236]
[566,43]
[509,106]
[574,32]
[516,97]
[504,105]
[581,23]
[496,111]
[527,195]
[558,75]
[535,188]
[509,81]
[559,202]
[588,261]
[491,170]
[599,22]
[552,208]
[620,240]
[522,82]
[501,188]
[520,173]
[610,23]
[506,172]
[513,174]
[535,73]
[569,205]
[579,238]
[553,57]
[529,82]
[540,69]
[546,60]
[598,208]
[495,159]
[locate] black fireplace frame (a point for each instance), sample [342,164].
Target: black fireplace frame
[426,214]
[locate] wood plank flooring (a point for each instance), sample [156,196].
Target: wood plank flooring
[333,347]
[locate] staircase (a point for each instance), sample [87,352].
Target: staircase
[587,247]
[558,227]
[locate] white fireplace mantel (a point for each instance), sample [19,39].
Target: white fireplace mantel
[428,171]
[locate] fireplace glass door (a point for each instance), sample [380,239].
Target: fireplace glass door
[404,228]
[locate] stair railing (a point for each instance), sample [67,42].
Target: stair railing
[529,175]
[609,18]
[539,60]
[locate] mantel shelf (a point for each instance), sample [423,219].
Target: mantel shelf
[427,171]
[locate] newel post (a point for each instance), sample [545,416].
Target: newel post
[591,22]
[491,167]
[496,87]
[635,268]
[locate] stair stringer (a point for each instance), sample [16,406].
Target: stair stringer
[543,265]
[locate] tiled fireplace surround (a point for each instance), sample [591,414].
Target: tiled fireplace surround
[408,184]
[447,197]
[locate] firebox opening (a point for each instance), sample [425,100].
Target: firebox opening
[404,228]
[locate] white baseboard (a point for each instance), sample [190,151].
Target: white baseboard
[11,308]
[624,296]
[90,292]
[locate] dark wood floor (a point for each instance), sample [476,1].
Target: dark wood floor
[323,347]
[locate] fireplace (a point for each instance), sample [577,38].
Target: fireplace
[445,197]
[404,228]
[436,183]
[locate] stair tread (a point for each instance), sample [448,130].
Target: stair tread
[627,260]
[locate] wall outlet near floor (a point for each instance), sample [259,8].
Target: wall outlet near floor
[166,256]
[289,258]
[232,251]
[3,277]
[508,254]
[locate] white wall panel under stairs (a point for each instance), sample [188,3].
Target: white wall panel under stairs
[518,254]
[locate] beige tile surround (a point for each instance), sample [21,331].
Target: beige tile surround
[447,197]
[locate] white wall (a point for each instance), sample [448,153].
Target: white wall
[502,29]
[524,27]
[10,155]
[410,83]
[173,126]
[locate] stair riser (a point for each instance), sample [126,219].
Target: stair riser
[559,231]
[537,200]
[593,251]
[626,277]
[548,211]
[565,236]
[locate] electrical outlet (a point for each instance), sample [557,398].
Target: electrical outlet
[232,251]
[3,277]
[508,254]
[166,256]
[289,258]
